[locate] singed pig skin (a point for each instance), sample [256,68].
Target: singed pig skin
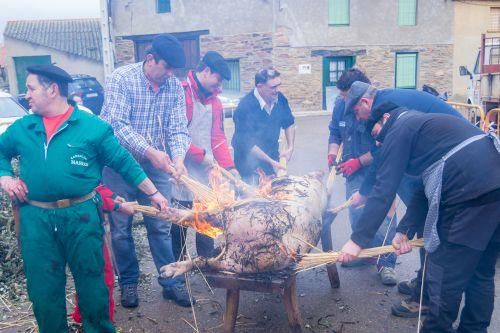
[259,232]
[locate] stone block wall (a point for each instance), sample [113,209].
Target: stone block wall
[124,52]
[305,91]
[254,52]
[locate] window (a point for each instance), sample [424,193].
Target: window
[407,12]
[338,12]
[494,19]
[337,68]
[495,55]
[234,83]
[163,6]
[406,70]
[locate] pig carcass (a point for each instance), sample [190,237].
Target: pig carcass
[259,234]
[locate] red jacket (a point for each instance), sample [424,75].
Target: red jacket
[220,147]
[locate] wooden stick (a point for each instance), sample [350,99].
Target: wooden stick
[340,208]
[282,173]
[333,172]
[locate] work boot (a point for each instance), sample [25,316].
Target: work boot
[178,294]
[388,276]
[129,297]
[407,287]
[408,308]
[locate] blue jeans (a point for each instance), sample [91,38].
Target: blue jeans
[159,238]
[387,227]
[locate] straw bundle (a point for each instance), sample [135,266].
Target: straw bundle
[312,260]
[236,181]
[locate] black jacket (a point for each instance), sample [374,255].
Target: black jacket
[255,127]
[414,142]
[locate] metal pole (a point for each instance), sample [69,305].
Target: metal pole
[107,46]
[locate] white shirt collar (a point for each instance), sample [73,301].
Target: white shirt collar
[262,103]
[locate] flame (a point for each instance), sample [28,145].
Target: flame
[265,189]
[203,227]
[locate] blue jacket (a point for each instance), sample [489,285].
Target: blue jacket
[414,100]
[344,128]
[410,99]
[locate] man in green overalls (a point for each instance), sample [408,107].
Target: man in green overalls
[62,151]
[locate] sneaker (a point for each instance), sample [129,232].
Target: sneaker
[356,263]
[407,287]
[129,297]
[408,308]
[178,294]
[388,276]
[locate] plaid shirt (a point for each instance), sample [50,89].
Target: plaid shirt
[142,118]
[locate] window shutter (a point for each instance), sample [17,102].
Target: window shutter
[407,12]
[338,12]
[406,70]
[494,19]
[234,83]
[163,6]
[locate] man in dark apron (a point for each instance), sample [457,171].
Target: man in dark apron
[458,210]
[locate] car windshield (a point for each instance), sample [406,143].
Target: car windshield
[9,108]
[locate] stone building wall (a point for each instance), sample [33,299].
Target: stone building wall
[254,52]
[124,51]
[305,91]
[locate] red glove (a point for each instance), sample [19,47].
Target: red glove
[349,167]
[332,160]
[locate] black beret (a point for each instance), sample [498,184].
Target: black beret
[378,112]
[217,64]
[169,49]
[50,71]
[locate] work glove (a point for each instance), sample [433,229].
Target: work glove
[332,160]
[349,167]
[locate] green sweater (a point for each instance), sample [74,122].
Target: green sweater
[70,164]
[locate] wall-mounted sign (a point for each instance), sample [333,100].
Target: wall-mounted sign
[305,69]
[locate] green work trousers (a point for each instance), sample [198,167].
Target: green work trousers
[52,238]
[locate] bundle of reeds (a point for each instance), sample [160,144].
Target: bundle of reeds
[147,210]
[240,184]
[308,261]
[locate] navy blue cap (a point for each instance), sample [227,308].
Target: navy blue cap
[50,71]
[217,64]
[169,49]
[354,94]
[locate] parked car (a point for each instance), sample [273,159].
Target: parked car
[10,111]
[229,101]
[89,90]
[84,86]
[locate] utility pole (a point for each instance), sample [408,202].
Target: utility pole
[108,58]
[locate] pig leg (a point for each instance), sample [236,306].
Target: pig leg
[176,268]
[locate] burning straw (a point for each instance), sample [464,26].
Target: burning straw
[198,224]
[312,260]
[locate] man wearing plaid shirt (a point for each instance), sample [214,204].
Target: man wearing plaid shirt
[144,103]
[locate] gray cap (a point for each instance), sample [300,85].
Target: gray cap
[354,94]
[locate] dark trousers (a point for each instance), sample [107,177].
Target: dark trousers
[204,244]
[458,268]
[158,230]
